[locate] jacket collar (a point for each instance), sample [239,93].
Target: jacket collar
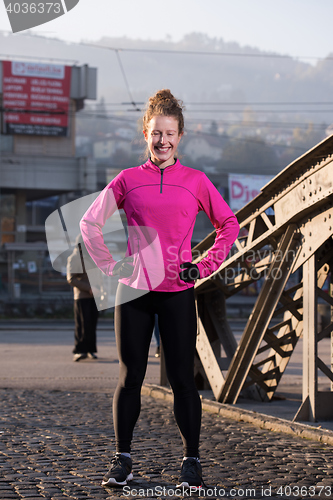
[151,166]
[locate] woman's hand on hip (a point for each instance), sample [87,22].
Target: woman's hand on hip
[123,268]
[190,272]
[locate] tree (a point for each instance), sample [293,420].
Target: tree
[302,141]
[213,128]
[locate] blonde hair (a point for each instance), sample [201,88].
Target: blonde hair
[165,104]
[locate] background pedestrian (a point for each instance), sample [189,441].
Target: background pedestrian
[85,310]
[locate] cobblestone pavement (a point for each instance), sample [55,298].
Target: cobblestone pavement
[57,445]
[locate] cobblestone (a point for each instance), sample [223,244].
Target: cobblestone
[57,445]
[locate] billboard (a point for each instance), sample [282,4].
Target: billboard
[36,98]
[243,188]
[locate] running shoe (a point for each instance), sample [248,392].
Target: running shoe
[191,474]
[92,355]
[79,355]
[120,472]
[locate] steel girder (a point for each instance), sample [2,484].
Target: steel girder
[288,225]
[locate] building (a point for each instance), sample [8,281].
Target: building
[202,146]
[38,164]
[109,146]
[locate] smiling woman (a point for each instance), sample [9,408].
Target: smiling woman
[161,200]
[163,137]
[163,127]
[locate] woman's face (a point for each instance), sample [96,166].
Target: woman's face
[162,136]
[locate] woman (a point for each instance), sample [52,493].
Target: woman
[161,199]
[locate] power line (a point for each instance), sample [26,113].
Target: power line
[248,124]
[16,56]
[319,111]
[166,51]
[187,52]
[287,103]
[259,111]
[126,81]
[223,103]
[205,53]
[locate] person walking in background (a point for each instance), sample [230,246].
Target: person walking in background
[161,197]
[85,310]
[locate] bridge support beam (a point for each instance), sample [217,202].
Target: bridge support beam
[316,404]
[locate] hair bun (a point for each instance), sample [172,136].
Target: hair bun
[160,96]
[164,103]
[164,94]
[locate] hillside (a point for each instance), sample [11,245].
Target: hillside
[257,98]
[247,76]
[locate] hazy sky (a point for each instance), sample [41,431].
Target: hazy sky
[294,27]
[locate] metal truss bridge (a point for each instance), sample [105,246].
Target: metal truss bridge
[285,240]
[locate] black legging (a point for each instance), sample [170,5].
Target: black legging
[134,323]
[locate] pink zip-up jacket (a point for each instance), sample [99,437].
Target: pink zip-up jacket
[161,208]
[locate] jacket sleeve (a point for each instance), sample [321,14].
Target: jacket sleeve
[225,223]
[91,224]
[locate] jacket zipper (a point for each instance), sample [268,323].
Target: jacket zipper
[162,170]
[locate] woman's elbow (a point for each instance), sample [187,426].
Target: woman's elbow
[233,227]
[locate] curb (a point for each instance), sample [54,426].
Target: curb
[48,324]
[241,415]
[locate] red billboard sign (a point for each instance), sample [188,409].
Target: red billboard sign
[36,98]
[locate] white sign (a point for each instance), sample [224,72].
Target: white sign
[243,188]
[40,70]
[32,266]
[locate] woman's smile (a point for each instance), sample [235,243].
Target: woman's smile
[163,138]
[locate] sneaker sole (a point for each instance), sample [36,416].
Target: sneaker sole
[76,360]
[184,484]
[113,482]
